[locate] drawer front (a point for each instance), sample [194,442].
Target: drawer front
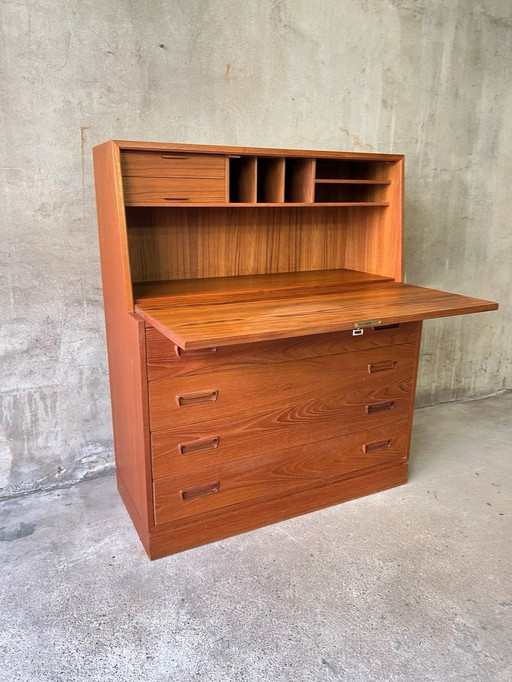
[165,359]
[230,438]
[278,473]
[141,191]
[326,385]
[173,164]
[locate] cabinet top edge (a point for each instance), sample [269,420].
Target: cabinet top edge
[259,151]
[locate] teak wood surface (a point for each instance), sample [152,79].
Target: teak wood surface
[227,521]
[166,360]
[190,243]
[234,279]
[252,151]
[126,344]
[278,472]
[248,287]
[201,326]
[330,384]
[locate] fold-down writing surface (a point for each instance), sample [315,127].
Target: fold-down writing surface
[204,325]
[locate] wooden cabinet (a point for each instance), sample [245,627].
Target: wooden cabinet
[263,347]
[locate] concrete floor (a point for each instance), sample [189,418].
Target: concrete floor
[413,584]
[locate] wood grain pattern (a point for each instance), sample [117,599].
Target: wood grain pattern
[330,383]
[267,151]
[175,165]
[277,473]
[243,179]
[277,427]
[201,326]
[263,404]
[270,180]
[300,180]
[181,243]
[126,346]
[267,204]
[226,522]
[166,360]
[247,287]
[378,247]
[115,262]
[149,191]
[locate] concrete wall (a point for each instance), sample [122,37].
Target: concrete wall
[427,78]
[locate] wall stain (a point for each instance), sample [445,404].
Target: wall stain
[331,668]
[22,530]
[357,140]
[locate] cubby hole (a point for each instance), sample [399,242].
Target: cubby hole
[333,169]
[242,179]
[299,180]
[349,193]
[270,180]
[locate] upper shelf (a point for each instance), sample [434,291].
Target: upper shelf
[336,181]
[153,178]
[203,325]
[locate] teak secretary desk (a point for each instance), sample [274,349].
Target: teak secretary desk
[262,345]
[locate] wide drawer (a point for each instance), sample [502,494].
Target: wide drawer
[173,164]
[278,473]
[165,359]
[146,191]
[229,438]
[329,385]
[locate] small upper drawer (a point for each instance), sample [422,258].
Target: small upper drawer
[147,191]
[173,165]
[166,360]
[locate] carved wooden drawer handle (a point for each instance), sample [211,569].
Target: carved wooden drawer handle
[380,407]
[197,398]
[173,156]
[200,490]
[201,351]
[176,198]
[198,445]
[377,445]
[382,366]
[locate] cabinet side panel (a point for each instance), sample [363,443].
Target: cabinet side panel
[115,262]
[128,389]
[125,342]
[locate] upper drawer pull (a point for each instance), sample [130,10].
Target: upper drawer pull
[382,366]
[200,490]
[380,407]
[201,351]
[176,198]
[173,156]
[198,445]
[196,398]
[377,445]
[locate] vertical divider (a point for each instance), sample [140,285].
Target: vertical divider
[249,179]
